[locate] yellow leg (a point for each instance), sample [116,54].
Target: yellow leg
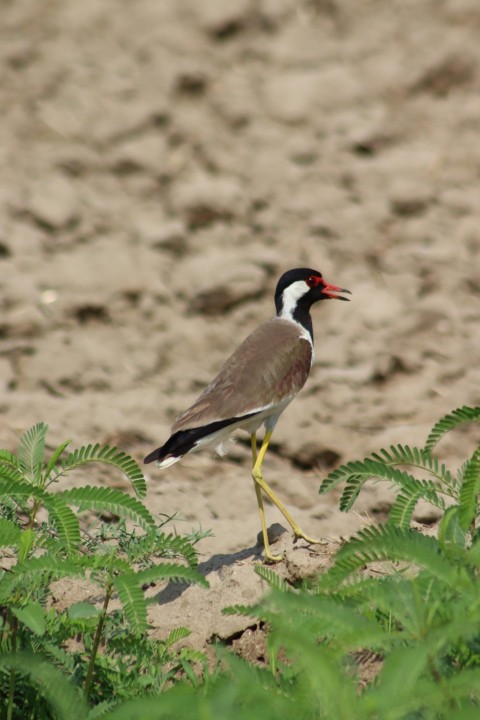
[260,485]
[268,554]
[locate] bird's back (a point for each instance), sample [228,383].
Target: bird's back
[271,365]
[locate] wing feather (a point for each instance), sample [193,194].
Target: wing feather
[272,364]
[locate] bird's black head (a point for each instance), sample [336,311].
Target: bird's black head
[298,289]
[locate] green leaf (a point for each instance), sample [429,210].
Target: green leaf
[83,611]
[158,543]
[450,534]
[110,456]
[65,522]
[61,695]
[179,633]
[468,500]
[133,601]
[100,710]
[11,487]
[31,570]
[170,571]
[271,577]
[401,672]
[403,508]
[110,500]
[33,616]
[458,417]
[386,542]
[26,542]
[31,452]
[55,457]
[10,465]
[356,473]
[415,457]
[243,610]
[9,533]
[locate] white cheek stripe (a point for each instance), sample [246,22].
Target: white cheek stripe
[291,296]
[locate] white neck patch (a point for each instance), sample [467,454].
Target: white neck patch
[291,296]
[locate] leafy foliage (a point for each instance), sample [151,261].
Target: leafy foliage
[449,422]
[390,631]
[39,677]
[439,485]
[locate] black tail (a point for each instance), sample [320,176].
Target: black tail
[183,441]
[179,444]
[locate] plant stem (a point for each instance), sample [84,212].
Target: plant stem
[33,514]
[12,621]
[96,642]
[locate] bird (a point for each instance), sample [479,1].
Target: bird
[254,386]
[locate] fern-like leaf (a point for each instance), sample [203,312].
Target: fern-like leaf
[9,533]
[271,577]
[159,543]
[65,522]
[110,456]
[448,422]
[100,710]
[403,508]
[133,601]
[468,500]
[356,473]
[31,452]
[32,570]
[170,571]
[110,500]
[252,611]
[179,633]
[61,695]
[10,465]
[11,487]
[415,457]
[52,463]
[390,543]
[450,535]
[33,616]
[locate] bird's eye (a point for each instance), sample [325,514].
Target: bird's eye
[313,280]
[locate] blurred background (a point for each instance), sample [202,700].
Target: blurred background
[162,162]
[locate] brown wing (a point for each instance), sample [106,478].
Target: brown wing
[271,364]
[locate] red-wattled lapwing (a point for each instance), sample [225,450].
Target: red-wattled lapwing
[255,385]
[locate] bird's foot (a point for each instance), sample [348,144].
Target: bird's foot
[272,559]
[298,534]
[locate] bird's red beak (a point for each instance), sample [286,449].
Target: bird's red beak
[331,290]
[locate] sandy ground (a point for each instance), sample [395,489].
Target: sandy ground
[163,162]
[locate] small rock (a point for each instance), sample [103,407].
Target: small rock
[223,19]
[311,455]
[204,199]
[251,646]
[233,96]
[295,96]
[162,234]
[386,365]
[215,282]
[409,204]
[448,73]
[191,80]
[7,376]
[302,563]
[53,202]
[144,153]
[291,98]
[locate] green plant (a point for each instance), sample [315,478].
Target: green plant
[461,489]
[407,602]
[44,541]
